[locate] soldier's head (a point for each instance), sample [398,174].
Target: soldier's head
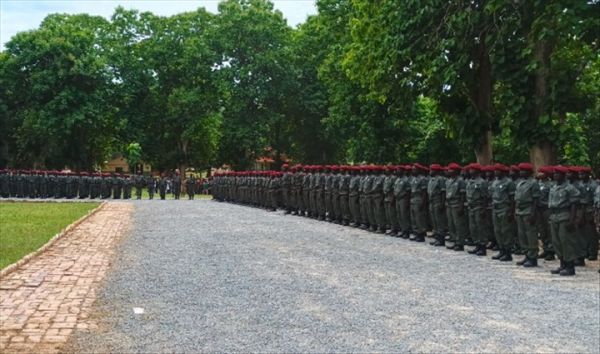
[453,169]
[585,173]
[435,169]
[573,173]
[560,172]
[475,170]
[285,167]
[514,172]
[500,170]
[525,169]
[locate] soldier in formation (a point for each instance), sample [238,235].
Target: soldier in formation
[70,185]
[510,210]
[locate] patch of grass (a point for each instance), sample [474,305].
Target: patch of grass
[25,227]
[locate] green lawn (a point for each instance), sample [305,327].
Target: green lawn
[25,227]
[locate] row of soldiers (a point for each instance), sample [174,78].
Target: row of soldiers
[508,209]
[69,185]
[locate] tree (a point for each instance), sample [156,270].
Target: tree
[254,66]
[56,83]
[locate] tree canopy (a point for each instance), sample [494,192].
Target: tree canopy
[362,81]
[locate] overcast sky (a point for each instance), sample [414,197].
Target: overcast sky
[22,15]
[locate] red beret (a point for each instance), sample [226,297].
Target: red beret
[525,166]
[454,166]
[420,167]
[514,168]
[574,169]
[475,166]
[585,169]
[501,167]
[560,169]
[435,167]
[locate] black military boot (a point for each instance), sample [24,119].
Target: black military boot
[420,237]
[507,257]
[482,251]
[435,241]
[521,262]
[569,269]
[469,242]
[474,250]
[579,262]
[491,245]
[406,235]
[458,248]
[440,241]
[450,247]
[559,269]
[531,262]
[549,256]
[380,230]
[593,257]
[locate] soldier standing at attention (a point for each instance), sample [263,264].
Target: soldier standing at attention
[127,183]
[162,186]
[418,202]
[117,185]
[544,175]
[286,184]
[503,192]
[190,185]
[477,201]
[84,191]
[320,191]
[177,184]
[389,201]
[436,192]
[139,185]
[368,206]
[151,184]
[527,194]
[402,196]
[562,201]
[587,187]
[4,184]
[377,200]
[353,196]
[456,189]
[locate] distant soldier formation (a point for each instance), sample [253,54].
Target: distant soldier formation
[36,184]
[510,210]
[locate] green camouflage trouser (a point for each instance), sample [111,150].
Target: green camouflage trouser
[503,228]
[354,209]
[457,224]
[403,214]
[527,236]
[418,218]
[344,207]
[563,239]
[379,211]
[390,214]
[438,218]
[478,225]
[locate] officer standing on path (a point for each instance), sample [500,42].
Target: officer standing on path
[527,194]
[503,192]
[562,201]
[162,187]
[177,184]
[139,185]
[190,186]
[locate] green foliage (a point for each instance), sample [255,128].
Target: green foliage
[381,81]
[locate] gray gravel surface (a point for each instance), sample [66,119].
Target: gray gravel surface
[220,277]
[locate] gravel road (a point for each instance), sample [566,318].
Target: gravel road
[212,276]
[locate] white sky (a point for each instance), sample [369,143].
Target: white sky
[22,15]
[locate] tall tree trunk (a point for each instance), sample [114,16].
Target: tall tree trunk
[483,100]
[542,152]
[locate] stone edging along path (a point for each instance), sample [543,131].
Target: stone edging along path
[21,262]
